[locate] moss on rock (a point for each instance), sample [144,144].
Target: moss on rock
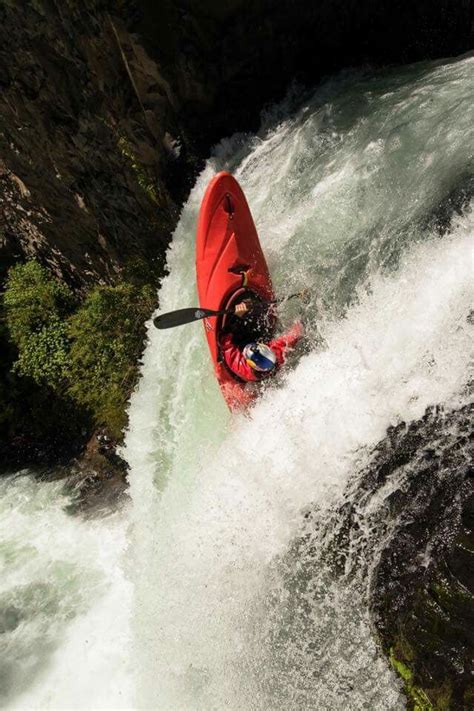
[419,701]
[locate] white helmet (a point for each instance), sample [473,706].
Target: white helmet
[260,357]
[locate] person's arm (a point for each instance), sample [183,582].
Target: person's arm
[285,343]
[235,360]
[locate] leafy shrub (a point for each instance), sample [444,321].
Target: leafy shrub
[36,305]
[106,341]
[37,422]
[44,355]
[33,299]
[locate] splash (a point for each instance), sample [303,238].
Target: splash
[64,602]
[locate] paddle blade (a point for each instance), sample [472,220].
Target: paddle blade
[182,316]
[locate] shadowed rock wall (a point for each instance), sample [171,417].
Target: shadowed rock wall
[83,166]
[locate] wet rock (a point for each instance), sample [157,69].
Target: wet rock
[408,530]
[97,480]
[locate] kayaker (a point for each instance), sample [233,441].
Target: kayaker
[257,359]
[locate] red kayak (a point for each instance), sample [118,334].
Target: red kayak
[229,264]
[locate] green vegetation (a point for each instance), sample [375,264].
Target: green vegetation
[36,306]
[106,340]
[33,300]
[80,358]
[146,182]
[43,355]
[418,698]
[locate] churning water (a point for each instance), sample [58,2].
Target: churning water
[353,190]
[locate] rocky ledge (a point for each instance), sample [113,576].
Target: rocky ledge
[407,533]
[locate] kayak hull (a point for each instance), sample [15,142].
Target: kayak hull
[229,261]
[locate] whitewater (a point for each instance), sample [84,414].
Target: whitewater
[185,598]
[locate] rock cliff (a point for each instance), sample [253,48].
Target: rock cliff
[82,168]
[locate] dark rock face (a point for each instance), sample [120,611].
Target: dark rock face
[423,592]
[97,482]
[410,530]
[82,166]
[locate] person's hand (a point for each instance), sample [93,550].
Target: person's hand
[305,296]
[297,329]
[241,309]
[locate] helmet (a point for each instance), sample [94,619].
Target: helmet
[259,357]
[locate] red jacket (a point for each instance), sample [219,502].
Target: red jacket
[236,362]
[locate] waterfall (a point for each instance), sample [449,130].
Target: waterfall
[196,595]
[349,193]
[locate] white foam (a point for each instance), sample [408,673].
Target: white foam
[339,193]
[64,577]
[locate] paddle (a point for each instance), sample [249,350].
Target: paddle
[182,316]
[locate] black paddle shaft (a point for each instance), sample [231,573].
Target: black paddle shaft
[182,316]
